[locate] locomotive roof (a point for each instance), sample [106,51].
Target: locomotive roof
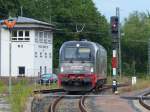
[72,43]
[78,42]
[94,45]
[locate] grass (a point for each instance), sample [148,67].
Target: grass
[20,93]
[141,83]
[119,80]
[51,86]
[3,87]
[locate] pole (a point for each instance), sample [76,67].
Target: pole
[119,40]
[10,80]
[10,26]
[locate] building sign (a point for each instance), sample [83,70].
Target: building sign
[43,46]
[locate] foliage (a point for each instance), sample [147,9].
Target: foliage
[135,41]
[141,84]
[66,15]
[3,87]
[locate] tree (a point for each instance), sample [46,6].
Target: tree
[134,43]
[8,8]
[67,16]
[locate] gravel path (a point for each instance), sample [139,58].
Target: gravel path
[108,103]
[41,104]
[4,105]
[68,105]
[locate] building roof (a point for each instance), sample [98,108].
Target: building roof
[29,23]
[30,20]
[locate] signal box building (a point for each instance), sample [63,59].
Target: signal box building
[27,50]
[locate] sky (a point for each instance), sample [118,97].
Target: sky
[108,7]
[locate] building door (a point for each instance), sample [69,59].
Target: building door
[21,71]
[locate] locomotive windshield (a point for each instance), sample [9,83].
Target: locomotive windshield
[77,53]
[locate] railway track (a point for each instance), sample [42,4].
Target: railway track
[81,104]
[52,107]
[142,101]
[58,99]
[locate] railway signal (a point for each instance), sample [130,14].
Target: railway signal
[114,24]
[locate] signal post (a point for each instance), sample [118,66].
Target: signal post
[116,46]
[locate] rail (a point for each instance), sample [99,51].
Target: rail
[140,98]
[141,101]
[48,91]
[52,107]
[82,105]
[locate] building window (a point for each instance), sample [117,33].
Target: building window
[50,56]
[49,39]
[40,54]
[27,33]
[36,37]
[45,55]
[41,37]
[20,33]
[45,37]
[14,33]
[36,54]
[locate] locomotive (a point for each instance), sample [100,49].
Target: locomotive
[82,65]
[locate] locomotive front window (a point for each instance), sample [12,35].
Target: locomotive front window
[70,53]
[84,53]
[77,53]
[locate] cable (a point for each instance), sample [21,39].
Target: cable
[99,33]
[78,23]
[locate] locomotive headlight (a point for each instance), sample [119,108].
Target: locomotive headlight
[92,69]
[62,69]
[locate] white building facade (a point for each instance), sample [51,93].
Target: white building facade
[28,49]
